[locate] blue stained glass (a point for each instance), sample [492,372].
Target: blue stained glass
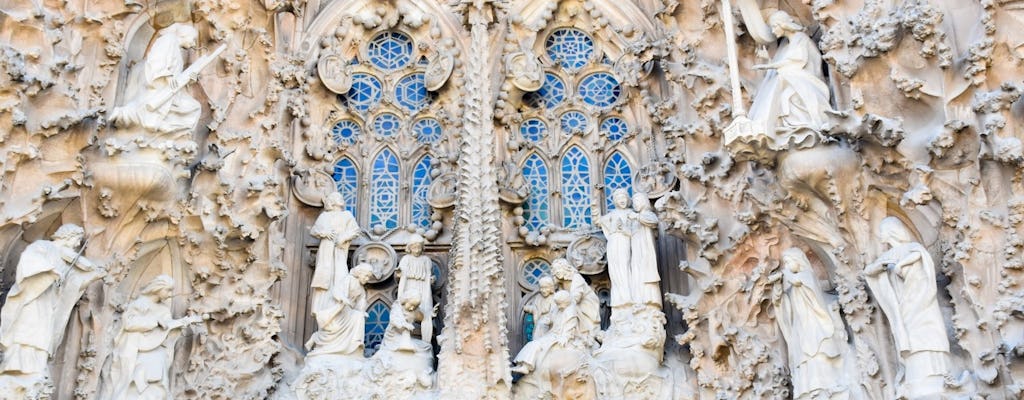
[390,50]
[534,269]
[420,188]
[346,180]
[384,191]
[411,92]
[346,132]
[570,48]
[550,94]
[575,189]
[600,89]
[617,174]
[533,129]
[573,122]
[427,130]
[365,92]
[614,128]
[528,326]
[386,124]
[535,171]
[377,317]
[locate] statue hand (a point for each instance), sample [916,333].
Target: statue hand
[874,269]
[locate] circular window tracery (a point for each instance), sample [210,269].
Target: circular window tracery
[550,94]
[427,130]
[573,122]
[386,124]
[365,92]
[390,50]
[614,128]
[346,132]
[571,48]
[411,92]
[600,89]
[533,129]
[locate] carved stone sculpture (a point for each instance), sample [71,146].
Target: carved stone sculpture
[415,279]
[813,334]
[403,367]
[340,316]
[903,282]
[632,258]
[51,276]
[336,228]
[544,311]
[587,304]
[554,363]
[334,364]
[161,106]
[643,259]
[144,348]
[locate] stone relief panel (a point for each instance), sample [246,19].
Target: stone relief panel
[834,195]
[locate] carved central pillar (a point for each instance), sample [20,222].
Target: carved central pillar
[473,362]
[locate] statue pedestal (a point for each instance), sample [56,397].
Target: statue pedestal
[332,376]
[404,372]
[628,363]
[27,387]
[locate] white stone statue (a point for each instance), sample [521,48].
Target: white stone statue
[632,258]
[542,307]
[403,367]
[415,278]
[51,277]
[790,104]
[340,315]
[336,228]
[144,348]
[161,106]
[586,302]
[644,281]
[565,331]
[813,336]
[903,282]
[618,226]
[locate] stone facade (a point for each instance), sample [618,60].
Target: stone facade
[466,199]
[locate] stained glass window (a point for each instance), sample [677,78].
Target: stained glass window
[533,129]
[411,92]
[533,270]
[427,130]
[614,128]
[420,188]
[570,48]
[600,89]
[573,122]
[535,171]
[575,189]
[346,179]
[384,191]
[346,132]
[386,124]
[617,174]
[390,50]
[528,326]
[550,94]
[377,317]
[365,92]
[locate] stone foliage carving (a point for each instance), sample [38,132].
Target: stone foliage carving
[171,132]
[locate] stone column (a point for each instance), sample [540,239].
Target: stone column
[474,362]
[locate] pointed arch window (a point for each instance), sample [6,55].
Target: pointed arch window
[420,188]
[384,192]
[346,180]
[617,174]
[535,171]
[576,197]
[377,317]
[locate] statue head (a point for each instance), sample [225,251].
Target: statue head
[893,232]
[546,285]
[334,202]
[415,246]
[783,24]
[362,272]
[641,202]
[562,270]
[160,287]
[411,301]
[186,34]
[620,198]
[69,235]
[794,260]
[562,299]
